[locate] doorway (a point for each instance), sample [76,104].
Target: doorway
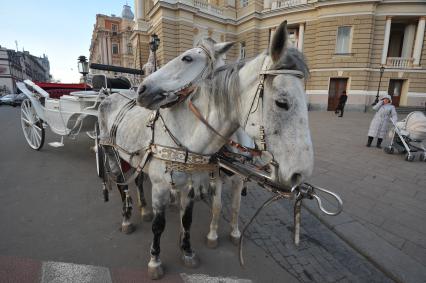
[337,86]
[395,90]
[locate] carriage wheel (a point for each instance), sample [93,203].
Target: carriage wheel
[32,125]
[99,153]
[409,157]
[389,150]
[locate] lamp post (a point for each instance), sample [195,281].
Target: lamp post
[153,45]
[83,67]
[382,70]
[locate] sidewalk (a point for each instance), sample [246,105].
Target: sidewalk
[384,196]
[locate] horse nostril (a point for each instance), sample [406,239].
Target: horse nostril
[296,179]
[142,89]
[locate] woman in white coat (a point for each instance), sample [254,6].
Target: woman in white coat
[379,124]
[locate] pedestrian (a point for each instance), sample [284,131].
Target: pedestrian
[379,124]
[341,105]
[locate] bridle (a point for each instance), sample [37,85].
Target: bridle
[261,149]
[183,92]
[259,97]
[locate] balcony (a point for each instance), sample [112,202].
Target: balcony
[288,3]
[207,7]
[399,62]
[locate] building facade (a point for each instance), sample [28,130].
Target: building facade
[16,66]
[111,43]
[346,43]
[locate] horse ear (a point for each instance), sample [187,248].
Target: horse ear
[221,48]
[279,42]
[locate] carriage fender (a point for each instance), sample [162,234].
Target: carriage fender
[85,121]
[38,107]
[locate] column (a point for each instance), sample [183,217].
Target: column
[386,40]
[267,4]
[419,41]
[139,13]
[300,38]
[407,45]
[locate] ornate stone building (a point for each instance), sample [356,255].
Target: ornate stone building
[345,42]
[16,66]
[111,44]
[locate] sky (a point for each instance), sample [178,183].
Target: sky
[61,29]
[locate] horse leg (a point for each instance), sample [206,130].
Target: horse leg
[216,209]
[126,226]
[146,213]
[155,267]
[237,187]
[186,207]
[104,176]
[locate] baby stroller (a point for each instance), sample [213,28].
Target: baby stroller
[407,136]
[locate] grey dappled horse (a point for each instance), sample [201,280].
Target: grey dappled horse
[225,100]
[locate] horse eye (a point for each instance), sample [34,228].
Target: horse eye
[187,59]
[282,103]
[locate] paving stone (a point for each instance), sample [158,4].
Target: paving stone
[419,252]
[403,266]
[393,239]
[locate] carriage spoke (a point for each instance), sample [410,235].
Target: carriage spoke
[37,127]
[26,121]
[38,134]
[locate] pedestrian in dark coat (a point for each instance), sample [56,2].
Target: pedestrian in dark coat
[341,105]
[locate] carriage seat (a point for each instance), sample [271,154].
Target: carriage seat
[84,94]
[102,81]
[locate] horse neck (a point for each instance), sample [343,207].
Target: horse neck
[191,132]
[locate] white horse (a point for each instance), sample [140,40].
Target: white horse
[180,145]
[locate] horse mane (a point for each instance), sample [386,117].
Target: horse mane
[222,89]
[224,86]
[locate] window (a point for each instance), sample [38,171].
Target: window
[243,3]
[129,48]
[114,48]
[242,50]
[114,29]
[343,42]
[292,38]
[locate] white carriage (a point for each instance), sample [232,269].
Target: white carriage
[66,116]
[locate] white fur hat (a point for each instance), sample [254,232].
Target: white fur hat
[387,96]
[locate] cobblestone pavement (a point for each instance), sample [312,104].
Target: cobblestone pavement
[383,218]
[321,256]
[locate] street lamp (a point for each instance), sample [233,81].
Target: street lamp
[382,70]
[83,67]
[153,45]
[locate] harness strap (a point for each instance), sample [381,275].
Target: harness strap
[123,111]
[240,147]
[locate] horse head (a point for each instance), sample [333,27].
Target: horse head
[180,76]
[276,116]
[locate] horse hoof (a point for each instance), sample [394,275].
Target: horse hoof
[234,240]
[212,244]
[147,217]
[128,228]
[155,272]
[190,261]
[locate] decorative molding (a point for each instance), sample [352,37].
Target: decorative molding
[367,69]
